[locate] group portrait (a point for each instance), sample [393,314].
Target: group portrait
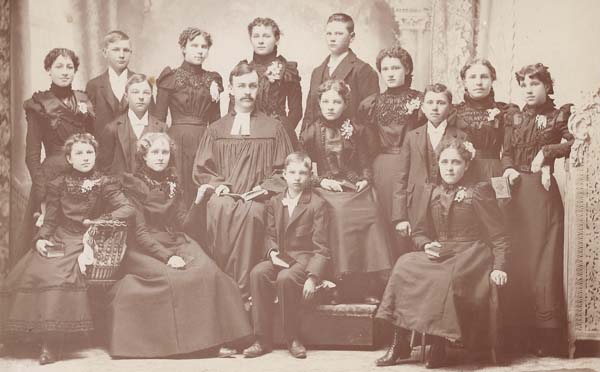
[209,179]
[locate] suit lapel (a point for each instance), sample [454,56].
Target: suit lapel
[422,142]
[108,94]
[345,67]
[300,209]
[319,71]
[278,210]
[123,134]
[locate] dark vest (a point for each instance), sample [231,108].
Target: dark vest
[432,166]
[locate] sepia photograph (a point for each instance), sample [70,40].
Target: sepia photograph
[300,185]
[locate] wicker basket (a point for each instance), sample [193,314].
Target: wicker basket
[108,239]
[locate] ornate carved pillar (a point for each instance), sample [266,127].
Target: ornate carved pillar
[4,131]
[582,225]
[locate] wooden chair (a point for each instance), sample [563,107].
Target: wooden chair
[108,240]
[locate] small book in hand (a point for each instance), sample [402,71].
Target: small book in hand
[281,259]
[347,185]
[247,196]
[439,252]
[501,187]
[56,250]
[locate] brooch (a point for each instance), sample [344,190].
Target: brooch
[461,194]
[541,121]
[347,129]
[82,107]
[412,105]
[214,91]
[492,113]
[274,71]
[172,189]
[88,185]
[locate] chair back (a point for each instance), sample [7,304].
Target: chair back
[108,240]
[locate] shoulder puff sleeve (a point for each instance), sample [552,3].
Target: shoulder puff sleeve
[492,220]
[293,91]
[560,131]
[119,207]
[365,118]
[89,114]
[214,113]
[511,116]
[52,209]
[34,113]
[165,85]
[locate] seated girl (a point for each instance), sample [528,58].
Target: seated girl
[173,298]
[358,238]
[44,297]
[441,289]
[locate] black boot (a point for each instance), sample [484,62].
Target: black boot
[437,354]
[399,349]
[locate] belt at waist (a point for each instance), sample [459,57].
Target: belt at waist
[390,150]
[190,121]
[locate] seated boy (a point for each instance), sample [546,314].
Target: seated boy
[297,229]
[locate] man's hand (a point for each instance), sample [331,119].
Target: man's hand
[203,191]
[176,262]
[512,175]
[431,245]
[221,189]
[40,246]
[360,185]
[331,185]
[310,287]
[403,228]
[499,277]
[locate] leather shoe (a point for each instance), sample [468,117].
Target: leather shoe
[255,350]
[437,355]
[371,300]
[398,350]
[297,349]
[226,352]
[47,355]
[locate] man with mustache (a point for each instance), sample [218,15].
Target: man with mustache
[238,153]
[118,140]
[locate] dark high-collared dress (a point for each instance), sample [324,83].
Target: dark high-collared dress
[156,310]
[535,291]
[185,92]
[43,296]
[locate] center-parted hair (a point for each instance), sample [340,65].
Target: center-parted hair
[137,78]
[454,143]
[404,57]
[55,53]
[144,144]
[191,33]
[536,71]
[478,61]
[79,138]
[298,157]
[439,88]
[240,69]
[344,18]
[267,22]
[339,86]
[114,36]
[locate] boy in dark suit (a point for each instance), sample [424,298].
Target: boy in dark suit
[118,140]
[297,229]
[418,162]
[341,64]
[106,91]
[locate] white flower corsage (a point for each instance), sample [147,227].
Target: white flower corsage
[461,194]
[470,148]
[541,121]
[347,129]
[492,113]
[172,189]
[82,107]
[88,185]
[412,105]
[214,91]
[274,71]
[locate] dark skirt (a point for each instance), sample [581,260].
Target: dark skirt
[187,139]
[42,296]
[52,167]
[357,233]
[158,311]
[439,298]
[385,171]
[535,287]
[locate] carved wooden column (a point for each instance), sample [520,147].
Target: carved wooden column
[582,226]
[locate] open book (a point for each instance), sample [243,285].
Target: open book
[347,185]
[247,196]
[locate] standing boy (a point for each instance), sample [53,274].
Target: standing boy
[297,232]
[341,64]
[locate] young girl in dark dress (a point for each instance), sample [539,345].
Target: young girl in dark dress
[442,296]
[173,298]
[482,118]
[44,297]
[533,141]
[191,95]
[279,80]
[358,237]
[52,116]
[388,116]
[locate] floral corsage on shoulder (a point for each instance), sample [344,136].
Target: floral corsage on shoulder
[347,129]
[492,113]
[461,194]
[274,71]
[413,105]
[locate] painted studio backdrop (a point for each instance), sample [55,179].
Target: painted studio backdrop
[441,35]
